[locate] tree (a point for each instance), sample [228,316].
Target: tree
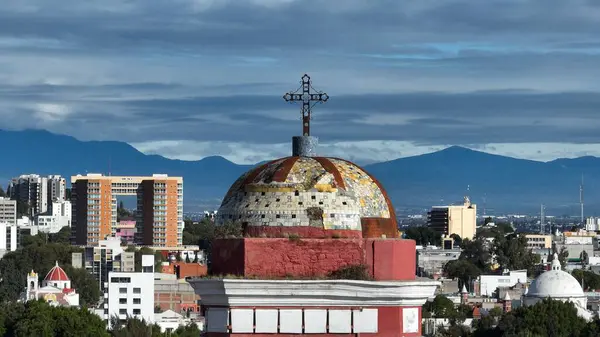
[190,330]
[463,270]
[584,259]
[85,284]
[587,279]
[457,239]
[440,307]
[63,236]
[40,257]
[423,235]
[36,318]
[545,318]
[476,252]
[512,253]
[134,327]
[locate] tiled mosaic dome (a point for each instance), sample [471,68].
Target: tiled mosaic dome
[315,193]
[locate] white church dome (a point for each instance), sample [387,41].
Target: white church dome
[555,283]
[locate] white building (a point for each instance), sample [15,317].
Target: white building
[131,294]
[59,218]
[592,224]
[169,321]
[489,283]
[558,285]
[56,288]
[8,211]
[8,238]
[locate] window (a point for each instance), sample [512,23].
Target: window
[137,311]
[137,301]
[122,290]
[122,301]
[137,290]
[122,311]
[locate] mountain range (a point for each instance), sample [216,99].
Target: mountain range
[497,183]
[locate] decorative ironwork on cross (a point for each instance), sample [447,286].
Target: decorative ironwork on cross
[308,99]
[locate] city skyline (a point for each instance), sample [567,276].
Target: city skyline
[196,78]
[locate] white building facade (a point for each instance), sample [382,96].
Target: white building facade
[59,218]
[8,238]
[8,211]
[489,283]
[131,294]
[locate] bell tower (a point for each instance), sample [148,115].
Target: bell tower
[32,285]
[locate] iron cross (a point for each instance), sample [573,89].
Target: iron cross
[308,100]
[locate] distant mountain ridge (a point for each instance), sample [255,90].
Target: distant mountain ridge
[507,184]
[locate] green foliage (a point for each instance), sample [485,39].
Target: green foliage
[563,254]
[135,327]
[590,279]
[546,318]
[353,272]
[463,270]
[512,253]
[423,235]
[440,307]
[36,318]
[37,256]
[85,284]
[457,240]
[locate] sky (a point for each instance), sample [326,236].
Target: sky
[188,79]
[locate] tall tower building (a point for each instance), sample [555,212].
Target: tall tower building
[455,219]
[159,216]
[57,189]
[31,193]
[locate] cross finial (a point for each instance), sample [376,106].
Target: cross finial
[308,99]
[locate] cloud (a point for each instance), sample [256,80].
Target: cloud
[171,76]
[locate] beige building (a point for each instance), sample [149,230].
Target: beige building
[460,219]
[8,211]
[540,241]
[159,215]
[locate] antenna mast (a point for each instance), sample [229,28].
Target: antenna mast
[581,199]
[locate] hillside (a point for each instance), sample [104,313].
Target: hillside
[507,184]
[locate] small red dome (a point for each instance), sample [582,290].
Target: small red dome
[56,274]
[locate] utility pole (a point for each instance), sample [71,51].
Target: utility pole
[581,199]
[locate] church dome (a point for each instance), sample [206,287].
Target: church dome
[309,196]
[56,274]
[556,284]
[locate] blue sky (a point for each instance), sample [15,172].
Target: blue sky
[192,78]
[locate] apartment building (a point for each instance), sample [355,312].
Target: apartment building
[8,211]
[456,219]
[59,217]
[108,256]
[542,241]
[34,193]
[8,238]
[159,215]
[131,294]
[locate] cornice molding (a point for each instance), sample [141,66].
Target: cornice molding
[311,293]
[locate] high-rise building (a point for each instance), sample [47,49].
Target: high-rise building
[457,219]
[8,211]
[159,215]
[31,193]
[57,189]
